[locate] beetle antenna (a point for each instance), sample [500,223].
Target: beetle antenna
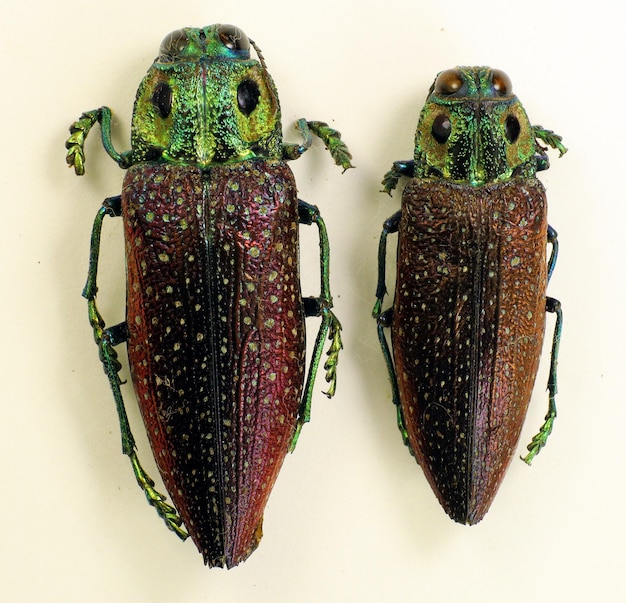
[259,53]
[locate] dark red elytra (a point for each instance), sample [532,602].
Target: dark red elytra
[469,316]
[216,338]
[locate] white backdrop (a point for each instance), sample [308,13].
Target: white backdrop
[351,518]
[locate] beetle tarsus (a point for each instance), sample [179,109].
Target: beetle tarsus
[330,366]
[539,440]
[398,169]
[329,136]
[79,130]
[168,513]
[550,138]
[332,139]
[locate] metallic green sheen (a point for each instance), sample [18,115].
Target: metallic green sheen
[211,216]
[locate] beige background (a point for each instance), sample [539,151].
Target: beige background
[352,518]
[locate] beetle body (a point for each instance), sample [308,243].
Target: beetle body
[215,316]
[468,317]
[217,355]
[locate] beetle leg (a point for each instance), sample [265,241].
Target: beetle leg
[398,169]
[390,226]
[75,144]
[330,327]
[329,136]
[550,138]
[554,306]
[539,441]
[107,339]
[384,319]
[554,241]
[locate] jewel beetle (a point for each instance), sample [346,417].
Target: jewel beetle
[468,317]
[214,312]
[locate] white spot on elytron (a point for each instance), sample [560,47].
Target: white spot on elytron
[163,257]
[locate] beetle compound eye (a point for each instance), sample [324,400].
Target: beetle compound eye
[248,96]
[449,82]
[173,45]
[501,82]
[441,128]
[162,99]
[512,128]
[233,38]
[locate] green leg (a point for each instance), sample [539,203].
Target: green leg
[75,144]
[330,137]
[539,440]
[552,306]
[330,327]
[383,319]
[398,169]
[107,339]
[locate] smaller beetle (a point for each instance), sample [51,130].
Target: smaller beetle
[214,313]
[468,317]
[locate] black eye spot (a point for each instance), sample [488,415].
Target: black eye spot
[162,99]
[248,96]
[511,128]
[232,37]
[449,82]
[501,82]
[441,128]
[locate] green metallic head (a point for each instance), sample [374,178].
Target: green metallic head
[474,129]
[204,101]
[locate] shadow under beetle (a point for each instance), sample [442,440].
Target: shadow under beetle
[468,317]
[214,313]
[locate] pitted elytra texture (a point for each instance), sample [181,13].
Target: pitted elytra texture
[468,316]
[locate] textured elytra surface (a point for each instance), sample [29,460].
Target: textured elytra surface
[469,316]
[217,338]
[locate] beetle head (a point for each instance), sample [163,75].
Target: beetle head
[205,101]
[474,129]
